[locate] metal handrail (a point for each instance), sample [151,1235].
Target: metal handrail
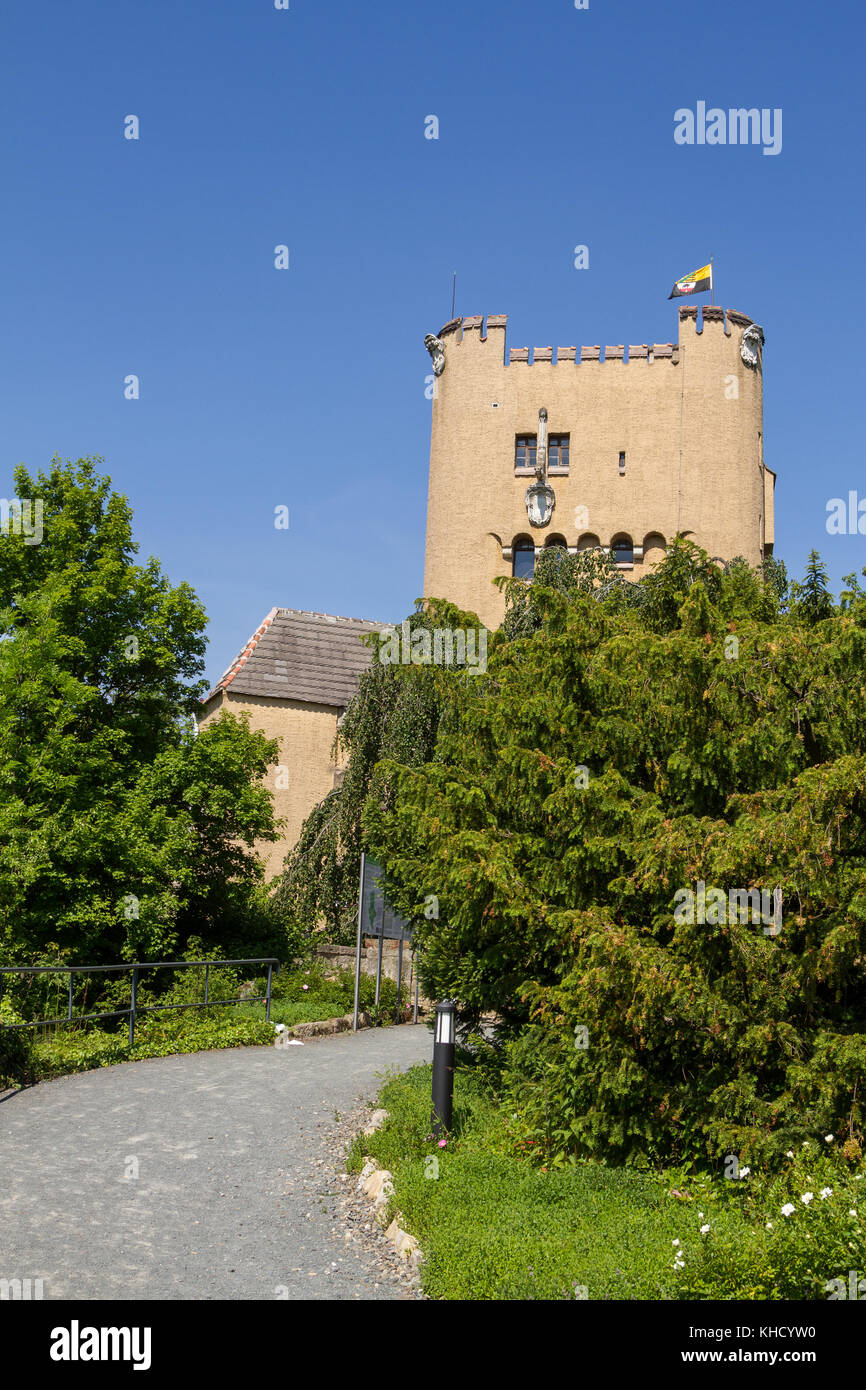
[135,1008]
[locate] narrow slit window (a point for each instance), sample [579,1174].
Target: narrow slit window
[621,462]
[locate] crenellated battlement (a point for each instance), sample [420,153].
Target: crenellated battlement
[694,320]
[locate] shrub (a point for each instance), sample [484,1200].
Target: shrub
[783,1235]
[17,1066]
[614,756]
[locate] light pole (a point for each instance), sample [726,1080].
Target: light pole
[443,1067]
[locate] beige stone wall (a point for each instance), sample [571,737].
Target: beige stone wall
[343,958]
[306,733]
[688,417]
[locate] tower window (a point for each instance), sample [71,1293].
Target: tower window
[621,462]
[525,451]
[557,451]
[622,550]
[523,564]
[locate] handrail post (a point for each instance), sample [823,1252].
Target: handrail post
[69,1014]
[206,981]
[268,1006]
[358,947]
[134,1002]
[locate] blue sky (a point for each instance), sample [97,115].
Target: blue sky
[305,127]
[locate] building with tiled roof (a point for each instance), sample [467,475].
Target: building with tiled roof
[294,677]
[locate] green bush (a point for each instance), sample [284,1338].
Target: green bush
[622,748]
[17,1067]
[159,1035]
[767,1242]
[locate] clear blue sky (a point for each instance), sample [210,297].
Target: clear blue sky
[306,127]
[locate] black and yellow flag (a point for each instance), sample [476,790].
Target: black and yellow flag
[698,281]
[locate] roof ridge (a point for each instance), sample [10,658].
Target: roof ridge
[336,617]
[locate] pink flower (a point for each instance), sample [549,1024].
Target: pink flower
[443,1143]
[305,986]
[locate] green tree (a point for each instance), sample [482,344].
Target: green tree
[812,597]
[609,761]
[120,832]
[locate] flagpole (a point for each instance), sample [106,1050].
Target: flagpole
[712,281]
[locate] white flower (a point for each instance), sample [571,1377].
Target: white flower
[790,1153]
[805,1143]
[704,1230]
[806,1198]
[674,1242]
[826,1192]
[744,1172]
[769,1225]
[853,1211]
[788,1209]
[700,1216]
[829,1138]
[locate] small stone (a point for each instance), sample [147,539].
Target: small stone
[377,1120]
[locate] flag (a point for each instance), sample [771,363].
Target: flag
[695,283]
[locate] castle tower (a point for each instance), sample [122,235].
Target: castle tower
[640,444]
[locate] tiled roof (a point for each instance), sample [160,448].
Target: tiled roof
[301,656]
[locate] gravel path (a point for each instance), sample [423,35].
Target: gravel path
[238,1194]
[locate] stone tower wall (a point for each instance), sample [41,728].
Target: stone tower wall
[687,415]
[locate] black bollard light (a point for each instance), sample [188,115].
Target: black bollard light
[443,1068]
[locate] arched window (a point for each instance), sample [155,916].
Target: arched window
[588,541]
[523,562]
[653,548]
[622,550]
[555,540]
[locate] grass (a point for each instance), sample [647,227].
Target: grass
[495,1226]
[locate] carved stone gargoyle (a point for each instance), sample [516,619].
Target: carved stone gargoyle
[751,344]
[436,349]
